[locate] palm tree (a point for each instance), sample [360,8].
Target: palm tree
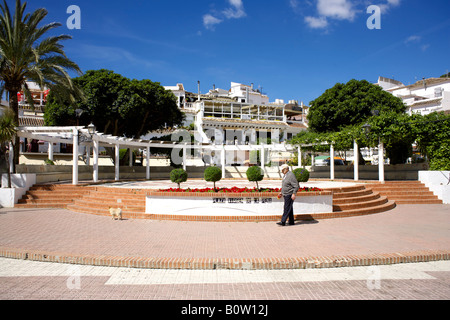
[7,132]
[25,55]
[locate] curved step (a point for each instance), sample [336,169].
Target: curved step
[353,199]
[389,205]
[360,205]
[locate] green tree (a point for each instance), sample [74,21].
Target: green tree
[7,133]
[350,104]
[255,174]
[116,105]
[433,137]
[396,132]
[178,176]
[25,55]
[213,174]
[301,174]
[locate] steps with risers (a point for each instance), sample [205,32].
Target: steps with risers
[406,192]
[347,201]
[359,200]
[52,195]
[98,202]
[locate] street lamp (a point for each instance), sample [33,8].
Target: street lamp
[91,129]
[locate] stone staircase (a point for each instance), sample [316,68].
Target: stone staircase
[368,198]
[52,195]
[98,202]
[359,200]
[405,192]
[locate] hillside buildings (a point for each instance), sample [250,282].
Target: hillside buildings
[240,115]
[424,96]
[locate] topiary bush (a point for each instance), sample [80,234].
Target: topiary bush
[178,176]
[213,174]
[301,174]
[255,174]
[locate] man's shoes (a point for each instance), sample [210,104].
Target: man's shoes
[291,224]
[281,223]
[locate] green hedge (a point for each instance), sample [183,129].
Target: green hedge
[301,174]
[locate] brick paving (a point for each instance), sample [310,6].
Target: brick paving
[32,280]
[415,232]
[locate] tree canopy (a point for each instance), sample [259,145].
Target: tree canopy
[350,104]
[116,105]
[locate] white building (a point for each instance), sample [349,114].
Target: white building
[241,115]
[424,96]
[247,94]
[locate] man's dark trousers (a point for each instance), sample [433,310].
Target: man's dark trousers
[288,210]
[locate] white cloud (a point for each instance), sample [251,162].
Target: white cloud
[425,47]
[394,2]
[316,23]
[329,10]
[236,11]
[416,41]
[210,21]
[337,9]
[388,5]
[413,38]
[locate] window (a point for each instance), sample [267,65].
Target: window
[438,92]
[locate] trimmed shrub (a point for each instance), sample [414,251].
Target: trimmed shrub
[255,174]
[301,174]
[178,176]
[213,174]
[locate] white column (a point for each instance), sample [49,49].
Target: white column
[96,147]
[223,161]
[117,159]
[263,158]
[381,161]
[147,171]
[88,155]
[184,157]
[355,160]
[331,161]
[11,158]
[299,156]
[312,159]
[75,158]
[50,150]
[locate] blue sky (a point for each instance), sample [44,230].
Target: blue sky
[293,49]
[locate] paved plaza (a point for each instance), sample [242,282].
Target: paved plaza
[53,236]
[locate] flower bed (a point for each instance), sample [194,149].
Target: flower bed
[237,190]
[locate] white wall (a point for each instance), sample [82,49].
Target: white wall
[438,182]
[20,184]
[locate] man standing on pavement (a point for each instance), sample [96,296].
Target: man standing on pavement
[289,188]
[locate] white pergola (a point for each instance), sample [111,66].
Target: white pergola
[79,136]
[381,176]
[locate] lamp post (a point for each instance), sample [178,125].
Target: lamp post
[91,129]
